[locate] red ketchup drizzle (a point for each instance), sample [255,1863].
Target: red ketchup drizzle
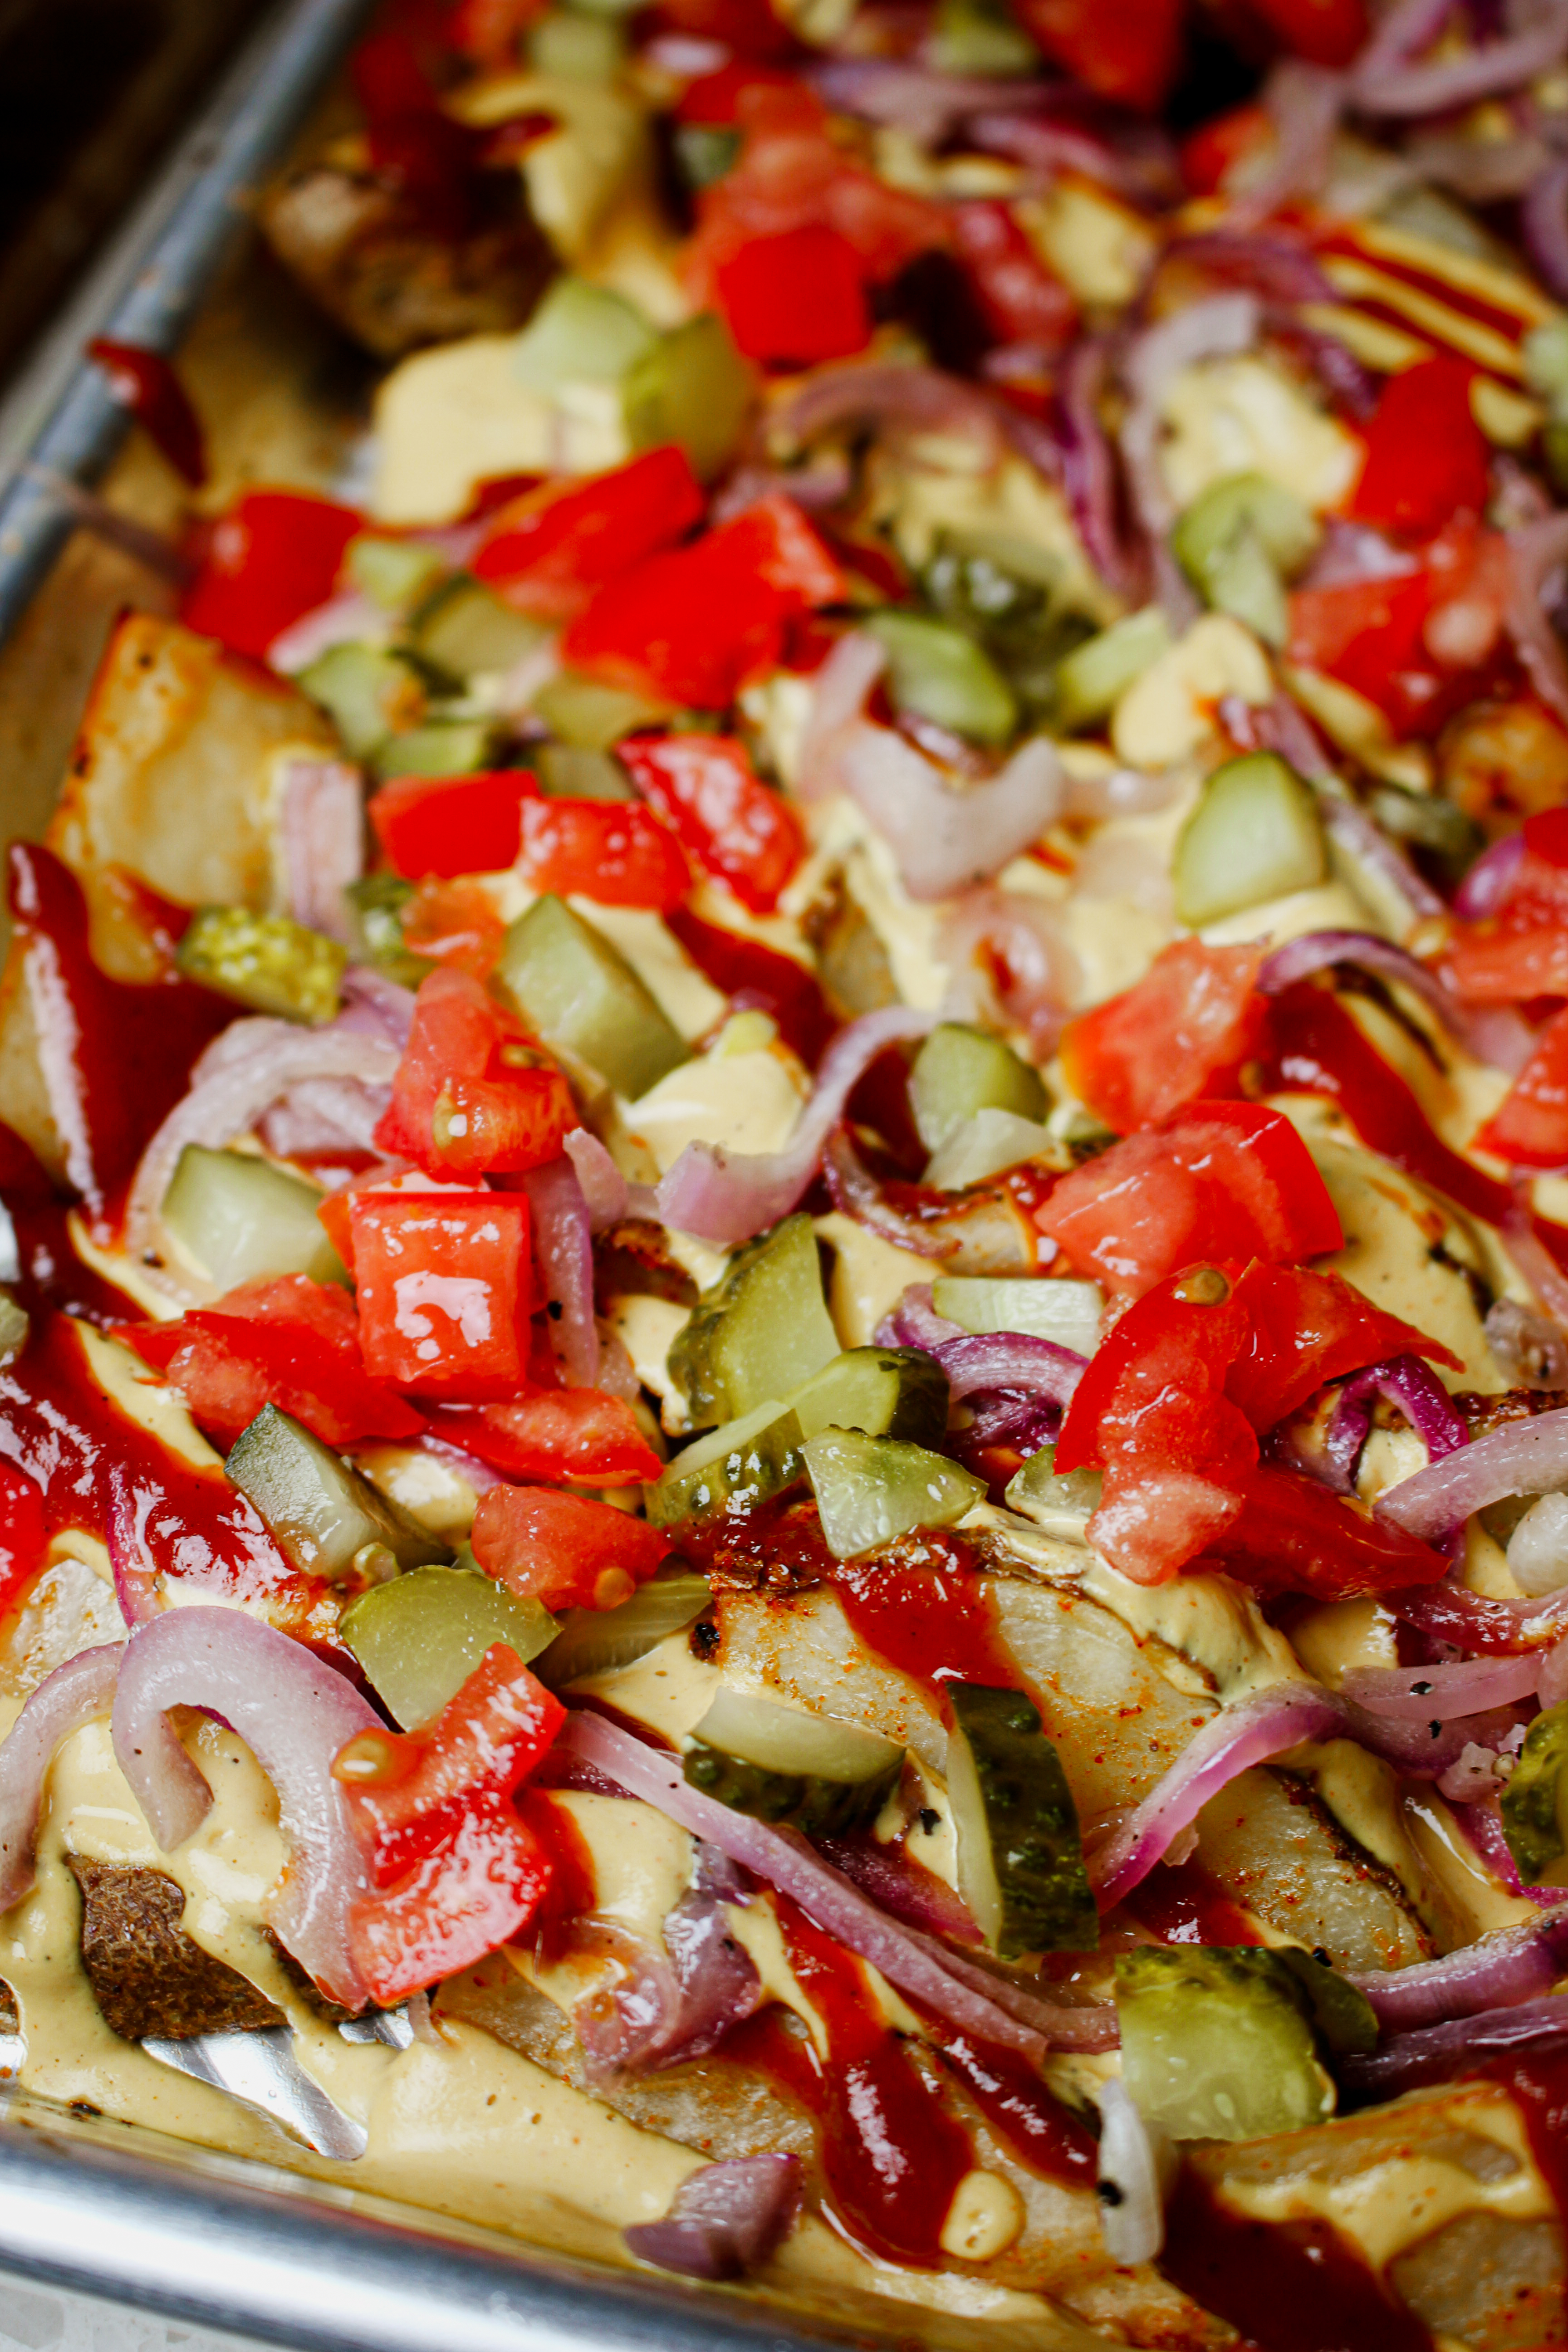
[118,1055]
[144,382]
[1289,2287]
[1013,2101]
[62,1431]
[1180,1905]
[928,1614]
[571,1890]
[1540,2085]
[892,2153]
[757,977]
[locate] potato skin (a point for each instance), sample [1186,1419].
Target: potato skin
[148,1976]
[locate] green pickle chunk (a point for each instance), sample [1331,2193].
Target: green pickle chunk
[959,1071]
[886,1391]
[941,674]
[731,1469]
[1020,1857]
[239,1219]
[601,1640]
[466,630]
[762,1331]
[1255,835]
[819,1775]
[1218,2042]
[368,692]
[871,1490]
[1534,1801]
[580,994]
[269,962]
[420,1637]
[329,1521]
[1239,542]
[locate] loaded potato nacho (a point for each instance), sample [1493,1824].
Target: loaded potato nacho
[783,1356]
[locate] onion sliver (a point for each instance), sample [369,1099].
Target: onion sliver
[837,1907]
[1523,1458]
[294,1712]
[75,1694]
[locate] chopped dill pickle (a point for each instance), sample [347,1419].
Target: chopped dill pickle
[884,1391]
[13,1328]
[942,675]
[959,1071]
[580,333]
[822,1776]
[442,747]
[1069,1312]
[580,994]
[1217,2043]
[705,151]
[1020,1857]
[420,1636]
[376,910]
[1093,679]
[1535,1801]
[762,1331]
[692,388]
[569,772]
[465,629]
[368,692]
[239,1219]
[1255,835]
[591,717]
[732,1468]
[323,1515]
[1062,1506]
[1239,542]
[392,572]
[871,1490]
[600,1641]
[269,962]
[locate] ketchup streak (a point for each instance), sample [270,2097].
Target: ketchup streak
[1288,2286]
[928,1613]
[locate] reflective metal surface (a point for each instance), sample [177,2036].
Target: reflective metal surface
[260,2069]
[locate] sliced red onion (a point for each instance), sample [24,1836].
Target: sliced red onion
[1488,885]
[980,1232]
[726,2219]
[227,1101]
[1306,103]
[1404,31]
[322,828]
[886,393]
[678,2000]
[130,1562]
[1052,148]
[603,1186]
[915,1323]
[1411,1385]
[1011,1359]
[1264,1724]
[75,1694]
[725,1197]
[945,839]
[1475,1622]
[1010,957]
[375,1006]
[1482,1824]
[1276,267]
[838,1908]
[1444,88]
[1087,469]
[818,486]
[858,1193]
[1355,830]
[1535,551]
[294,1712]
[897,1884]
[1439,2053]
[1439,1694]
[1321,951]
[913,98]
[1523,1458]
[467,1466]
[342,620]
[1543,221]
[1533,1259]
[321,1115]
[1131,2210]
[1483,170]
[1221,327]
[563,1245]
[838,698]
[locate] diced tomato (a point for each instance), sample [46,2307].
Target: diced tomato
[1292,1535]
[697,624]
[447,825]
[1529,1125]
[546,552]
[753,975]
[749,27]
[443,1291]
[1212,151]
[409,1788]
[1306,1327]
[146,383]
[1426,457]
[563,1549]
[1129,52]
[705,789]
[288,1341]
[415,145]
[1022,301]
[490,32]
[1420,643]
[714,97]
[795,298]
[1184,1031]
[581,1434]
[474,1893]
[1325,32]
[1521,952]
[274,556]
[454,922]
[463,1873]
[1222,1180]
[473,1096]
[611,851]
[24,1540]
[335,1210]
